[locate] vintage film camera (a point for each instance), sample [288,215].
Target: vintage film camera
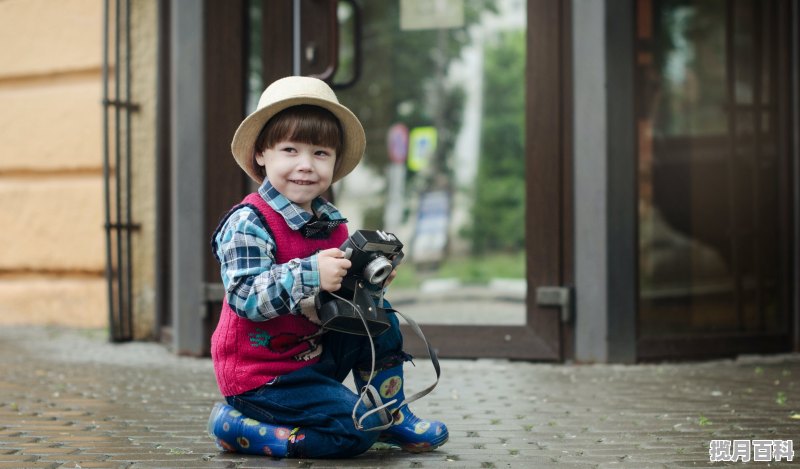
[374,255]
[352,309]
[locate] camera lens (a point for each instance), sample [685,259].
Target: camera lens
[377,270]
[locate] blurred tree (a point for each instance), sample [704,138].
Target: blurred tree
[690,65]
[403,80]
[499,207]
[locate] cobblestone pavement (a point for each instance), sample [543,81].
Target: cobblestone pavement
[71,399]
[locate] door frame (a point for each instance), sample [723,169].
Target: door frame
[549,200]
[549,203]
[707,346]
[554,228]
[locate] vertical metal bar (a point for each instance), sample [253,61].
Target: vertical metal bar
[106,171]
[604,173]
[780,119]
[296,52]
[117,166]
[566,246]
[730,73]
[794,12]
[162,172]
[778,132]
[757,70]
[128,312]
[188,173]
[620,154]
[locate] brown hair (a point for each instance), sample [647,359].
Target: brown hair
[304,123]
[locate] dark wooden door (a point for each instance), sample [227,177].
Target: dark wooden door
[715,185]
[395,66]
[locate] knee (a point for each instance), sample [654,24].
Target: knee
[392,339]
[367,439]
[357,441]
[345,443]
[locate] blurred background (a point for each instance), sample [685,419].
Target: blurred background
[591,180]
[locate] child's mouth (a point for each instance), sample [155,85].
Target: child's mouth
[302,183]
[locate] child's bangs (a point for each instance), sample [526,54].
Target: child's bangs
[305,124]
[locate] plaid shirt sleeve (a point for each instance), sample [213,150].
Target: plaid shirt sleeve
[257,288]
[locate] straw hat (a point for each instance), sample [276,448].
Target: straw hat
[293,91]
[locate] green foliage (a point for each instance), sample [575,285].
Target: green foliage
[687,90]
[402,79]
[499,209]
[468,270]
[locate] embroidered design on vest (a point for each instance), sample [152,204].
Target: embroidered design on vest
[284,341]
[314,351]
[260,338]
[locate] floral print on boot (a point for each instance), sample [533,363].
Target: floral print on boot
[408,431]
[236,433]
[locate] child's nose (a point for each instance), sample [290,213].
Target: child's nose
[304,163]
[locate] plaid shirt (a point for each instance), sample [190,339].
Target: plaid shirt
[257,288]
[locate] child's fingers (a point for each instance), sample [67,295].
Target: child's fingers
[338,255]
[332,252]
[332,268]
[390,278]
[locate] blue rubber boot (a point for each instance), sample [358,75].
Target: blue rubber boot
[238,434]
[408,431]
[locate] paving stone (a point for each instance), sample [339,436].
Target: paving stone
[15,456]
[82,464]
[49,451]
[187,464]
[77,401]
[28,465]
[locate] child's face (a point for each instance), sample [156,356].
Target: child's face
[299,171]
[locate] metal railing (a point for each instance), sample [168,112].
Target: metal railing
[117,194]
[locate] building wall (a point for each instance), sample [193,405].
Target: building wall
[144,62]
[52,262]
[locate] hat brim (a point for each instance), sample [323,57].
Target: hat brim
[353,138]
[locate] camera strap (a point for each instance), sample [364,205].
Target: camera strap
[431,353]
[370,396]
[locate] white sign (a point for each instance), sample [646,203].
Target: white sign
[430,235]
[397,143]
[431,14]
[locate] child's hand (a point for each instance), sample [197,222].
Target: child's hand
[332,268]
[390,278]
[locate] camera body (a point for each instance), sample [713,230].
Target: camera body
[373,255]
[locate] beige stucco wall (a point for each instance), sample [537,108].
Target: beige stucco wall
[51,179]
[144,58]
[41,37]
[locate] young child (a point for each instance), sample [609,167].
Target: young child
[280,373]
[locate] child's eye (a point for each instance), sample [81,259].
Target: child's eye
[323,153]
[289,149]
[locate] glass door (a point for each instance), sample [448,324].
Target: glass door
[714,178]
[441,89]
[441,94]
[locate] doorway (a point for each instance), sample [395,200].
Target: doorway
[715,203]
[455,166]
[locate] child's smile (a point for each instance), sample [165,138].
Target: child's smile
[299,171]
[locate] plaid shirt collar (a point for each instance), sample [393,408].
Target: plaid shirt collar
[295,216]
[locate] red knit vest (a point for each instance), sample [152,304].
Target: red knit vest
[249,354]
